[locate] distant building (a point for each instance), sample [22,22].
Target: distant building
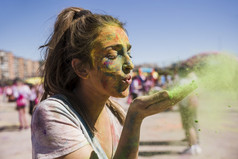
[12,67]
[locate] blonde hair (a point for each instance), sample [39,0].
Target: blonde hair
[74,34]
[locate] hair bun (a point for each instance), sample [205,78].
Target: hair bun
[81,13]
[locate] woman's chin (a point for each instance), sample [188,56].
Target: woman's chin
[122,94]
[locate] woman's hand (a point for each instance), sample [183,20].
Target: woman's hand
[144,106]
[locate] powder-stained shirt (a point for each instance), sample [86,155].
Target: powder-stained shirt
[57,132]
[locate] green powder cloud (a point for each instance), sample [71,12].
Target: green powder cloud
[218,72]
[217,88]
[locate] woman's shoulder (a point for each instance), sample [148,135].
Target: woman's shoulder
[57,108]
[55,130]
[49,104]
[53,107]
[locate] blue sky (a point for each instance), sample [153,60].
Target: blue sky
[160,31]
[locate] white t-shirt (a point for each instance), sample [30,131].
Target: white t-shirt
[23,90]
[57,132]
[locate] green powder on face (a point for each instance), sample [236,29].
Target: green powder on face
[196,121]
[182,90]
[229,106]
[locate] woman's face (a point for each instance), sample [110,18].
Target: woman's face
[112,65]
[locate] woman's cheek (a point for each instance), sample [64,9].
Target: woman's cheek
[109,80]
[111,66]
[110,70]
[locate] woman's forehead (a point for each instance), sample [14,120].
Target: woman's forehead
[111,29]
[112,35]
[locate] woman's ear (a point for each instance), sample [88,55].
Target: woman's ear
[80,68]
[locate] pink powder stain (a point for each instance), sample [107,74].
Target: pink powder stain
[107,63]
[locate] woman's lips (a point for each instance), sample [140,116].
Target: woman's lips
[128,79]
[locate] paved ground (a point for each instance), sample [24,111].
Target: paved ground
[161,136]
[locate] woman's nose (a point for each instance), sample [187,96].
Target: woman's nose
[128,65]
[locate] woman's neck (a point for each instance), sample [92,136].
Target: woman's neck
[93,102]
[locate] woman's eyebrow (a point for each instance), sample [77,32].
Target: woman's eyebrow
[117,46]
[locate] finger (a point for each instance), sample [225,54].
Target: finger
[160,106]
[156,97]
[174,96]
[180,92]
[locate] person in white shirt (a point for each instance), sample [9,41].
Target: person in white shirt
[21,92]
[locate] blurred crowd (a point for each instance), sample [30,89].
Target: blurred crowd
[8,91]
[149,80]
[23,94]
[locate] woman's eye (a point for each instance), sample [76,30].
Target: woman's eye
[111,57]
[112,54]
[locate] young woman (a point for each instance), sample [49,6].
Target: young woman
[88,60]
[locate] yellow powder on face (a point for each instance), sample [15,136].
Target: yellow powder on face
[109,36]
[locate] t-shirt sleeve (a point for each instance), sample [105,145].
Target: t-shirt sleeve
[55,131]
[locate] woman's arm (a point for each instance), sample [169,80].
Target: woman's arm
[140,108]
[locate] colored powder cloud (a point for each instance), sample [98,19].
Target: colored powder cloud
[217,87]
